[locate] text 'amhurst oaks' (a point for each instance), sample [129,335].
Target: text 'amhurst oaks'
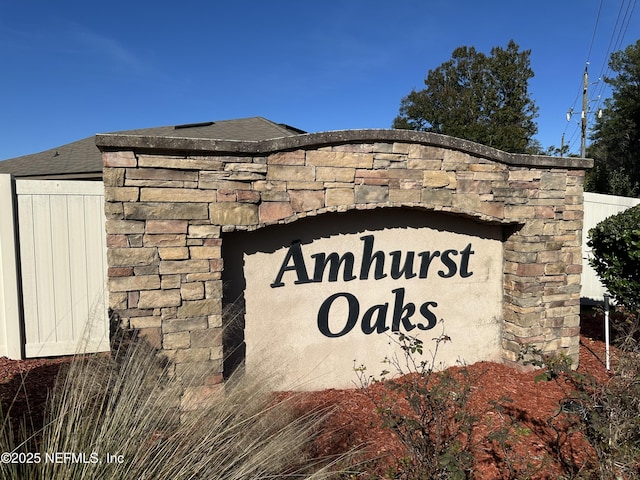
[375,265]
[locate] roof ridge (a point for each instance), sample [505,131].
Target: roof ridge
[279,126]
[83,155]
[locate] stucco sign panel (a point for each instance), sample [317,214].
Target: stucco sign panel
[319,303]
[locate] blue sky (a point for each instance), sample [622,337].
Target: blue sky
[71,69]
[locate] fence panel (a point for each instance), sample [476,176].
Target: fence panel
[10,331]
[63,266]
[597,207]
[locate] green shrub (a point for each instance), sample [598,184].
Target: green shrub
[615,244]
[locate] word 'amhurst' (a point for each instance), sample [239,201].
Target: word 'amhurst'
[445,264]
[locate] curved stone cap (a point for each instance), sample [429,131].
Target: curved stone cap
[106,142]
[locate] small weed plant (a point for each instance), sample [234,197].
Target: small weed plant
[607,414]
[427,410]
[505,438]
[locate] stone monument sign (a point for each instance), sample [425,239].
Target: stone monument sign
[329,243]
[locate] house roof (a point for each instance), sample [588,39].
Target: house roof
[82,159]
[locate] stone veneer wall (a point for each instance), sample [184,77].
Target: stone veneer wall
[168,200]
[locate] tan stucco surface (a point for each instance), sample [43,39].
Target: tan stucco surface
[282,322]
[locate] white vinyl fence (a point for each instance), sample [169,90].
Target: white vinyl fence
[597,207]
[53,268]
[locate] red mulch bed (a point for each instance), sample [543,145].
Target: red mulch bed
[532,451]
[25,385]
[354,423]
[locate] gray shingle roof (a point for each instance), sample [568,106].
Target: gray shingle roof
[82,159]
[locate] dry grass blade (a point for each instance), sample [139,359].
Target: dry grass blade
[120,419]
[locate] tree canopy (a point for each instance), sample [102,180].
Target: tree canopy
[477,97]
[616,136]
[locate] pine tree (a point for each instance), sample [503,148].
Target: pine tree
[477,97]
[616,137]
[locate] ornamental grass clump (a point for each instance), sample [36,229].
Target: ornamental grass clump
[118,417]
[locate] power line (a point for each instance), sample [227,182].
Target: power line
[619,32]
[580,89]
[595,28]
[616,38]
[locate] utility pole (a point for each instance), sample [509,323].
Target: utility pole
[585,100]
[584,113]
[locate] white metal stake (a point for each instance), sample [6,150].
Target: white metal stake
[606,329]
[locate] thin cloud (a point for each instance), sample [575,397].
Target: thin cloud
[107,48]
